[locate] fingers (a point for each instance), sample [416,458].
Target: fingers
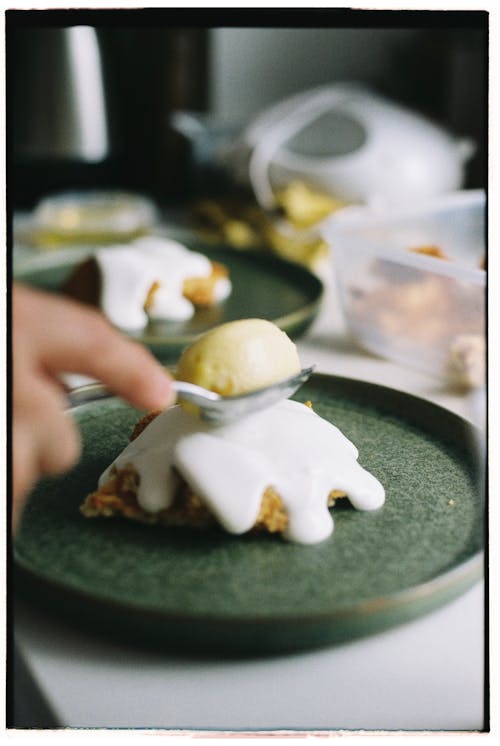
[32,459]
[58,437]
[77,339]
[45,439]
[51,336]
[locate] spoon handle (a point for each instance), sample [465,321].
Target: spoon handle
[192,392]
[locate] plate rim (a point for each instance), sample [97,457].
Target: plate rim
[465,573]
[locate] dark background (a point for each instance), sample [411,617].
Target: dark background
[155,62]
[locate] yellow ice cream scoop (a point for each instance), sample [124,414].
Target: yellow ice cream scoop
[238,357]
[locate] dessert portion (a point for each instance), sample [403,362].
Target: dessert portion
[239,357]
[278,470]
[152,278]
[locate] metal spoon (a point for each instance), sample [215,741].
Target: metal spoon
[224,409]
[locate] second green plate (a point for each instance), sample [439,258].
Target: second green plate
[264,286]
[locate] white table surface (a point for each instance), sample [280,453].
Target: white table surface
[427,674]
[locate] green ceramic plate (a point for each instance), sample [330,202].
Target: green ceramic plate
[213,591]
[264,286]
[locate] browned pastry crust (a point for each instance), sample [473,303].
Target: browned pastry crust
[84,284]
[118,497]
[430,250]
[142,424]
[201,290]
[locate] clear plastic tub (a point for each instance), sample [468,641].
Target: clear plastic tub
[417,309]
[92,217]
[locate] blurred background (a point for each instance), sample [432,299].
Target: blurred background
[91,94]
[267,131]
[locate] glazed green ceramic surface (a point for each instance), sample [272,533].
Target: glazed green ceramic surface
[378,568]
[264,286]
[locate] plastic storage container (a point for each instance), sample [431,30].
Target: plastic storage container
[412,307]
[92,217]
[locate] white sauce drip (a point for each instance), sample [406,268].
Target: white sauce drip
[287,446]
[129,271]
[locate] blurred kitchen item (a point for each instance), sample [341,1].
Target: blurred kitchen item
[350,142]
[88,103]
[202,136]
[63,83]
[90,217]
[242,224]
[304,207]
[401,299]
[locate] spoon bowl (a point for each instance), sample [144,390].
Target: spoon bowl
[221,410]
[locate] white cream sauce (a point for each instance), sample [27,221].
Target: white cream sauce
[287,446]
[129,271]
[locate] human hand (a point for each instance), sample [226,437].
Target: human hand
[51,336]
